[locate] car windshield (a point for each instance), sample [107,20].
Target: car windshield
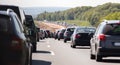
[112,29]
[87,30]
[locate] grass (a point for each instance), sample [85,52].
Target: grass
[78,22]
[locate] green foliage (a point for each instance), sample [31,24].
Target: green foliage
[112,16]
[78,22]
[85,13]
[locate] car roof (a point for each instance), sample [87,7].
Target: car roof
[111,21]
[8,12]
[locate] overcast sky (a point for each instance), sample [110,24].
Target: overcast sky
[56,3]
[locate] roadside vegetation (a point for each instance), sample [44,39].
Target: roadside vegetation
[93,15]
[78,22]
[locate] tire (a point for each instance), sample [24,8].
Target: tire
[38,40]
[30,60]
[65,41]
[58,38]
[34,48]
[98,58]
[92,56]
[73,46]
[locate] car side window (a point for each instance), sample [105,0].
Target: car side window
[97,30]
[4,24]
[17,26]
[20,24]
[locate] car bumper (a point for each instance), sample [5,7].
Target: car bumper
[109,52]
[82,42]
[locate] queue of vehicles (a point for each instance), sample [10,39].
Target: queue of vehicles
[104,41]
[19,36]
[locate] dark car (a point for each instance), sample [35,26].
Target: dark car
[68,32]
[15,50]
[56,34]
[82,36]
[32,31]
[18,10]
[38,35]
[61,34]
[49,33]
[106,40]
[42,34]
[46,34]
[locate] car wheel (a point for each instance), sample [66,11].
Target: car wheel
[34,48]
[58,38]
[65,41]
[38,40]
[73,46]
[30,60]
[98,58]
[92,56]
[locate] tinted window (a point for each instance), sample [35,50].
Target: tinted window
[92,30]
[70,29]
[4,23]
[112,29]
[63,31]
[17,25]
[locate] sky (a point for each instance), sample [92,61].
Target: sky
[56,3]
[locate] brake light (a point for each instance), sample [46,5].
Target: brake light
[16,44]
[102,37]
[77,36]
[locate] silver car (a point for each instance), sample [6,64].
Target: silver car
[106,40]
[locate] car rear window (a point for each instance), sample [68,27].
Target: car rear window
[112,29]
[4,23]
[87,30]
[63,31]
[70,29]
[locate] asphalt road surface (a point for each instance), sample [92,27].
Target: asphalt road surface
[54,52]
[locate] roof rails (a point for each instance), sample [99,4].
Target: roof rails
[9,10]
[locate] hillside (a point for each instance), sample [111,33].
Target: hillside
[94,15]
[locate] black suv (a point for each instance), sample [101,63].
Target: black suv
[21,15]
[106,40]
[32,30]
[15,50]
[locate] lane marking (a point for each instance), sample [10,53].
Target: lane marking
[52,53]
[48,46]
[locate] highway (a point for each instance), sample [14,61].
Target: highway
[54,52]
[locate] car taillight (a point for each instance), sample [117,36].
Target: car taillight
[77,36]
[16,43]
[102,37]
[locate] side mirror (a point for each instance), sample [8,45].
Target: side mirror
[29,20]
[29,33]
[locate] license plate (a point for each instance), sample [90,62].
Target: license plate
[117,44]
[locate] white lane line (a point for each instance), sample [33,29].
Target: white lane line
[48,46]
[52,53]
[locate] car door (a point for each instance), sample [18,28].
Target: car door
[94,39]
